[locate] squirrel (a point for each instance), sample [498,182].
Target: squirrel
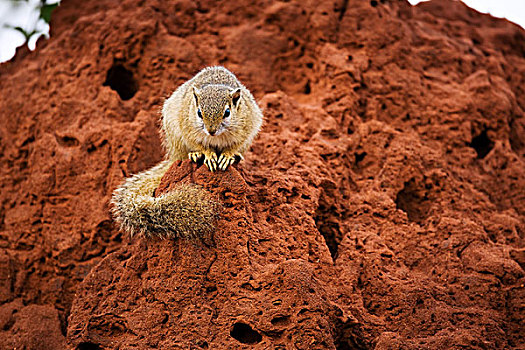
[211,116]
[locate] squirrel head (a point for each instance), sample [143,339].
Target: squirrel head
[216,107]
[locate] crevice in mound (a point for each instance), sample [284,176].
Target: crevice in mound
[2,219]
[331,234]
[88,346]
[517,142]
[482,144]
[349,336]
[327,217]
[413,200]
[121,80]
[203,344]
[245,334]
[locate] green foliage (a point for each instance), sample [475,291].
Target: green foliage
[46,10]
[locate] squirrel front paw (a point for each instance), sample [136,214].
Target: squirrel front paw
[210,159]
[228,158]
[195,156]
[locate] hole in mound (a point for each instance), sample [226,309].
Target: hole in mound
[331,234]
[67,141]
[349,336]
[359,158]
[280,320]
[245,334]
[482,144]
[88,346]
[8,325]
[328,216]
[413,200]
[121,80]
[307,88]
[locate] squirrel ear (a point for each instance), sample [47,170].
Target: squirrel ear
[196,94]
[236,95]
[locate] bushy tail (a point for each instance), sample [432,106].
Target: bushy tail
[188,211]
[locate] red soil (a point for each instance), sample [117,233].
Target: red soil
[382,205]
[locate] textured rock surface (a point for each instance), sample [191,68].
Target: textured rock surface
[382,206]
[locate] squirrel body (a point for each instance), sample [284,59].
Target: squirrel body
[211,116]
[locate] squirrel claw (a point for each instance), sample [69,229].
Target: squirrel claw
[210,164]
[211,161]
[227,159]
[195,156]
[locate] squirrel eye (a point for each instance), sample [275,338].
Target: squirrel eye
[199,113]
[226,113]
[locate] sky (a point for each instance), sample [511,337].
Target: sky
[24,14]
[513,10]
